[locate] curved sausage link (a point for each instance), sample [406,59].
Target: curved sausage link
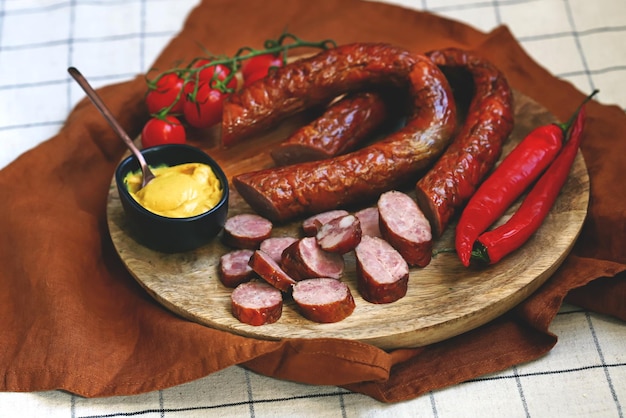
[284,193]
[313,81]
[345,124]
[476,147]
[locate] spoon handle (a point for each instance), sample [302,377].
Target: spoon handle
[97,101]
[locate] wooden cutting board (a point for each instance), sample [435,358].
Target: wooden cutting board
[443,300]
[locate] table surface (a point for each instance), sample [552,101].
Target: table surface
[579,41]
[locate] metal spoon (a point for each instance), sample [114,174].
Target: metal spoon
[147,175]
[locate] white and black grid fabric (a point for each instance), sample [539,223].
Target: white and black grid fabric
[580,41]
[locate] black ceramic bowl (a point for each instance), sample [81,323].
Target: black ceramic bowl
[165,234]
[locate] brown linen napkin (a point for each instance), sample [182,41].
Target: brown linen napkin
[74,319]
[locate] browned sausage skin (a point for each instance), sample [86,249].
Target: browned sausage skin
[269,270]
[476,147]
[284,193]
[343,126]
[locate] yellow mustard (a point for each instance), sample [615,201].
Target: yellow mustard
[179,191]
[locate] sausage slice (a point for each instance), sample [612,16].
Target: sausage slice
[405,227]
[323,300]
[312,224]
[234,267]
[382,273]
[340,235]
[369,220]
[270,271]
[305,259]
[275,246]
[246,230]
[256,303]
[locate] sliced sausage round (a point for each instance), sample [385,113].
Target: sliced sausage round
[382,273]
[311,225]
[340,235]
[246,230]
[270,271]
[234,267]
[369,220]
[275,246]
[256,303]
[405,227]
[323,300]
[305,259]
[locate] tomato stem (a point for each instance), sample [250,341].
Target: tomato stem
[191,72]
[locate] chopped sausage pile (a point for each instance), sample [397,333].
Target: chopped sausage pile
[310,268]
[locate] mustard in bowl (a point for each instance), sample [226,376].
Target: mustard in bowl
[183,208]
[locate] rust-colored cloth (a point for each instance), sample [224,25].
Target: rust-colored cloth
[74,318]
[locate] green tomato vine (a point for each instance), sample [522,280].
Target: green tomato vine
[191,72]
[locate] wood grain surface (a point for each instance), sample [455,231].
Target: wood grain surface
[443,300]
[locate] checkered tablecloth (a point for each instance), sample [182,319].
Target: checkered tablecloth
[581,41]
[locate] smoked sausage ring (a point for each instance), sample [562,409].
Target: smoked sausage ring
[283,193]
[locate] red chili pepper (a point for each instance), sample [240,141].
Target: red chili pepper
[522,166]
[507,182]
[493,245]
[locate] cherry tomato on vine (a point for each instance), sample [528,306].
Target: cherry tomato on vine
[257,67]
[167,91]
[163,131]
[205,110]
[207,74]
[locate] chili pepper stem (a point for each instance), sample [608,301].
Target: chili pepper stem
[480,255]
[565,127]
[443,251]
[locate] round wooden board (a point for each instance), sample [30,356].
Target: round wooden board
[443,300]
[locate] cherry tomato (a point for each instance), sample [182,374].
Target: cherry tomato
[257,67]
[206,75]
[167,92]
[206,109]
[163,131]
[252,77]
